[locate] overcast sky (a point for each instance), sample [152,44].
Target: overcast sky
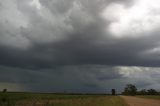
[79,45]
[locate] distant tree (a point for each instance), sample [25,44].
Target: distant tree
[4,90]
[130,89]
[142,92]
[148,92]
[113,92]
[152,92]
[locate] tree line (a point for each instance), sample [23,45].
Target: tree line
[131,89]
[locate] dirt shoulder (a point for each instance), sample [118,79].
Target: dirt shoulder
[135,101]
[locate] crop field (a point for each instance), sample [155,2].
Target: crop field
[37,99]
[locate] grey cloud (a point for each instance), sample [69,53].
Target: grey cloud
[84,49]
[66,44]
[143,77]
[58,6]
[81,78]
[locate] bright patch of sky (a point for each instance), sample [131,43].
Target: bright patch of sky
[36,3]
[139,19]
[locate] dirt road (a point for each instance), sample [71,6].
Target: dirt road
[135,101]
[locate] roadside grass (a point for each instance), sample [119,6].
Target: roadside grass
[150,96]
[37,99]
[90,101]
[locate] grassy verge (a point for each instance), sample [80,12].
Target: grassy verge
[31,99]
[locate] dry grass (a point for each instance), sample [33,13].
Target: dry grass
[31,99]
[91,101]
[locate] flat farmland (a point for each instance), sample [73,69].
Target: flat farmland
[48,99]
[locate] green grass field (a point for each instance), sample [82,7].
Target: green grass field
[37,99]
[150,96]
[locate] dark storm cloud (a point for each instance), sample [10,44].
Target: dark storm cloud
[67,78]
[76,37]
[82,78]
[69,44]
[82,51]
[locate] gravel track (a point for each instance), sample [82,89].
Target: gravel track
[135,101]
